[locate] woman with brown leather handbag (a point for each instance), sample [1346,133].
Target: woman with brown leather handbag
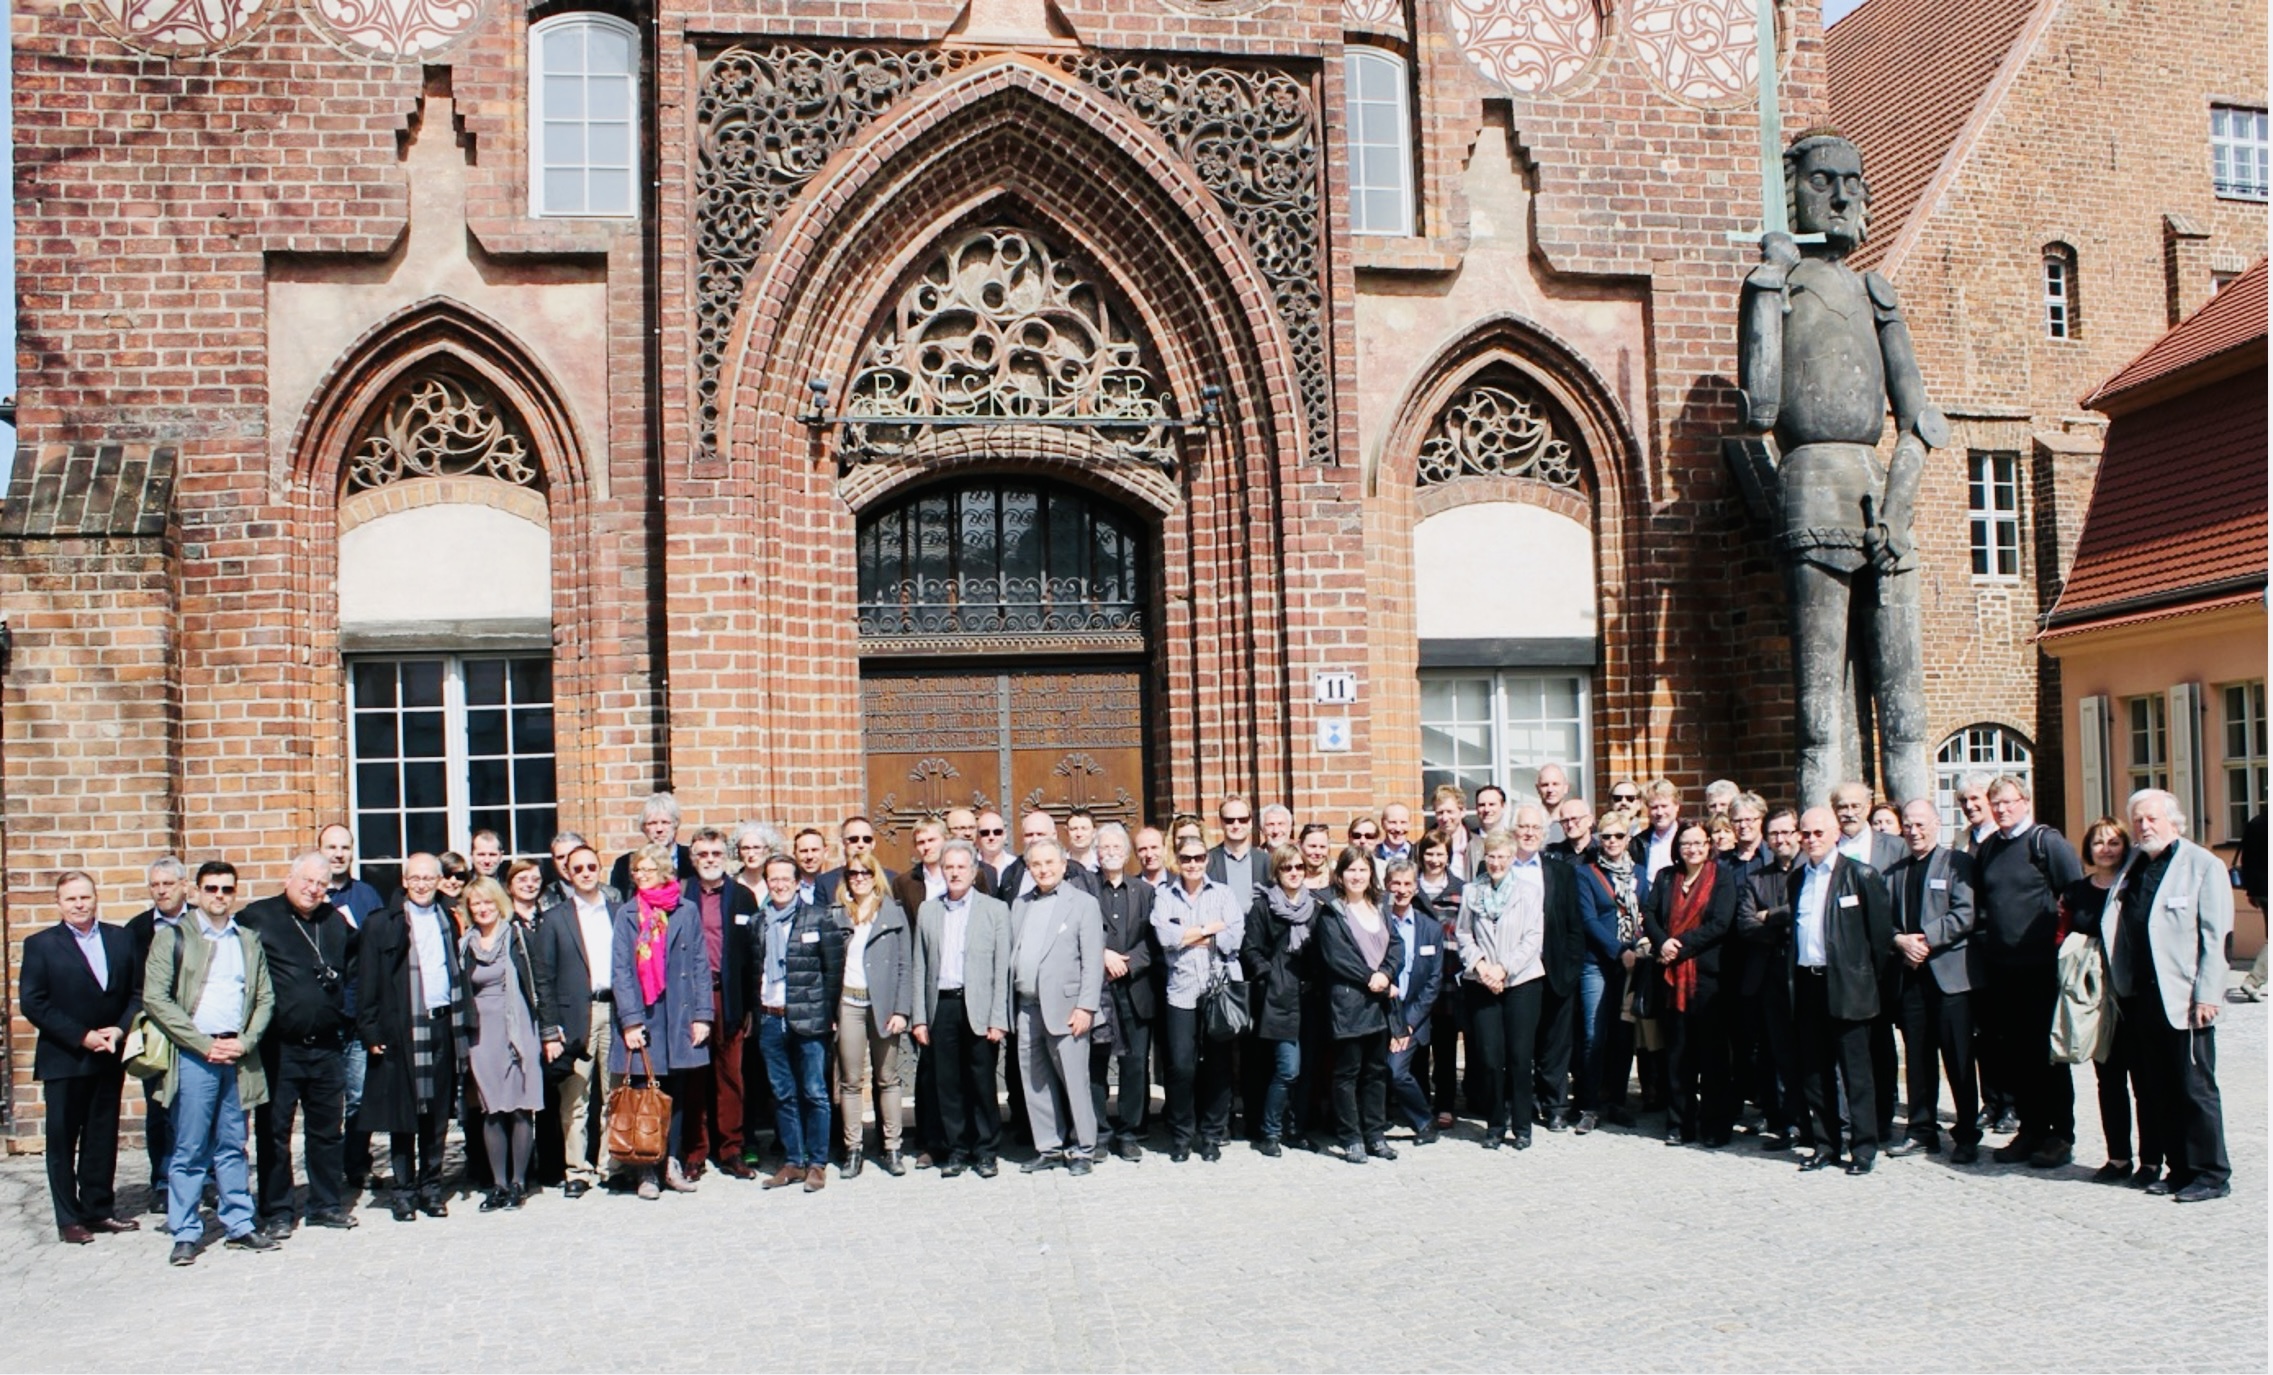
[661,977]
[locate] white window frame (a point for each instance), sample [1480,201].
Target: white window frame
[2060,292]
[2146,742]
[2244,768]
[538,165]
[1984,747]
[1992,500]
[2240,158]
[1519,777]
[1391,68]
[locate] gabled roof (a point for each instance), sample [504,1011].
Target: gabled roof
[2221,331]
[1908,79]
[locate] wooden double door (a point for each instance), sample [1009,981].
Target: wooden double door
[1010,740]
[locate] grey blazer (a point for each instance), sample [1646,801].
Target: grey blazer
[888,964]
[2186,929]
[1885,851]
[986,963]
[1072,969]
[1947,916]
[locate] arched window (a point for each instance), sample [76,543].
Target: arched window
[2062,319]
[1989,749]
[583,116]
[988,565]
[1381,142]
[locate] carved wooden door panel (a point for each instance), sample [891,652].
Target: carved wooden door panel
[1007,741]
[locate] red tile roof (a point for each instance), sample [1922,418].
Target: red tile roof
[1905,78]
[2231,320]
[2178,512]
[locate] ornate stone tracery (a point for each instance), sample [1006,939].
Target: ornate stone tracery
[768,119]
[1702,51]
[1000,325]
[441,424]
[1532,47]
[394,29]
[178,28]
[1252,136]
[1498,427]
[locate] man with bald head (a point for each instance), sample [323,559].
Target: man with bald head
[1932,890]
[1842,938]
[311,959]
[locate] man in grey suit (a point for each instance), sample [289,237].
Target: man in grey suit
[2165,932]
[962,980]
[1057,975]
[1932,888]
[1851,803]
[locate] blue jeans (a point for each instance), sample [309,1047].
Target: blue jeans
[1286,1065]
[1594,1036]
[209,1133]
[797,1067]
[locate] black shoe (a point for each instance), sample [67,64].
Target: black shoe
[1127,1149]
[1905,1149]
[1211,1151]
[575,1188]
[1859,1165]
[1348,1152]
[1522,1140]
[987,1168]
[1427,1135]
[1965,1153]
[1587,1121]
[1774,1141]
[2113,1172]
[2201,1191]
[1270,1146]
[2054,1153]
[403,1209]
[336,1221]
[492,1201]
[1821,1160]
[278,1230]
[185,1253]
[2007,1121]
[2161,1188]
[2019,1149]
[850,1169]
[1047,1160]
[2147,1174]
[255,1240]
[1078,1165]
[1380,1150]
[1556,1122]
[892,1164]
[516,1196]
[1492,1141]
[1177,1155]
[951,1169]
[1672,1136]
[434,1206]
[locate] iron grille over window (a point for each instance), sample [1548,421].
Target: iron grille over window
[991,566]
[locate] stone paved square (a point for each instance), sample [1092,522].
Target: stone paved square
[1605,1253]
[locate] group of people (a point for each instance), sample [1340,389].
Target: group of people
[1529,966]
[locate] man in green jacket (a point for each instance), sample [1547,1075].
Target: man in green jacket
[207,988]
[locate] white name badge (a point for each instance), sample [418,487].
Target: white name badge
[1849,900]
[741,919]
[811,938]
[1938,884]
[1428,950]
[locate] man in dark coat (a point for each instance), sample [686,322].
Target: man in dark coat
[407,1009]
[1126,1033]
[78,986]
[311,957]
[1842,939]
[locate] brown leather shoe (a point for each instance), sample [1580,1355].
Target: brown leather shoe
[738,1169]
[75,1234]
[815,1178]
[784,1177]
[115,1224]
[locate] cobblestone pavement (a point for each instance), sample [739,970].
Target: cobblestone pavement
[1608,1252]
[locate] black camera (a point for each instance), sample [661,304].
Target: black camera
[327,978]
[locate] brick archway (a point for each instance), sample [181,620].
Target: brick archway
[1013,139]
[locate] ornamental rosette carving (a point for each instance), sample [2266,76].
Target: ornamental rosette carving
[1252,136]
[439,424]
[1705,52]
[178,28]
[396,30]
[1531,47]
[1498,428]
[769,118]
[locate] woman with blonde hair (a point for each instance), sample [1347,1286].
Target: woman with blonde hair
[660,974]
[872,1010]
[506,1077]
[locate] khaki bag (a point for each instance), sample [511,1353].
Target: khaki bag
[2083,1023]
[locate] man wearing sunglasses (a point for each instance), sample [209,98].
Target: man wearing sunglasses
[571,956]
[994,844]
[1842,924]
[858,837]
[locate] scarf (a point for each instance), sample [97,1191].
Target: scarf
[1689,900]
[1491,898]
[1622,893]
[651,955]
[1296,912]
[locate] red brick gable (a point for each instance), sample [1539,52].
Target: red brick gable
[2228,323]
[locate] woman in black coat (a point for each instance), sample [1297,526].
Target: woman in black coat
[412,1036]
[1273,953]
[1692,910]
[1360,956]
[1438,1063]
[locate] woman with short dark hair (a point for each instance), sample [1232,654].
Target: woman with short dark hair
[1360,956]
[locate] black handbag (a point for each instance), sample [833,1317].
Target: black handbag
[1224,1010]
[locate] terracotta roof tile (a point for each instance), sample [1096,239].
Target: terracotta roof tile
[1904,77]
[2179,505]
[2230,319]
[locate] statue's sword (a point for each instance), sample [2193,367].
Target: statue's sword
[1773,218]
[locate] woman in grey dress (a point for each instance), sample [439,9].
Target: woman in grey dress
[507,1079]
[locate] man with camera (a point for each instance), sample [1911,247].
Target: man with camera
[310,953]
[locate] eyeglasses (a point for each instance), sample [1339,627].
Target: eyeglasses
[862,874]
[584,868]
[1200,858]
[860,840]
[1625,797]
[1235,820]
[1365,835]
[994,830]
[223,890]
[1610,835]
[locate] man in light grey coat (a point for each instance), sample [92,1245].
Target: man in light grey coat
[2164,932]
[962,980]
[1932,888]
[1057,975]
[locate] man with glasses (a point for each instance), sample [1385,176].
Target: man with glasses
[1575,819]
[1842,937]
[993,846]
[1197,922]
[573,955]
[556,886]
[1763,989]
[311,957]
[412,986]
[714,1119]
[858,837]
[1236,863]
[169,895]
[658,825]
[1626,796]
[961,978]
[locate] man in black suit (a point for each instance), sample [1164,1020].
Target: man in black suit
[169,898]
[1932,890]
[1561,954]
[1130,950]
[1842,936]
[312,962]
[572,955]
[1763,981]
[79,987]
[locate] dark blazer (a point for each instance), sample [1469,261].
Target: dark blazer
[306,1013]
[738,907]
[59,995]
[1428,980]
[908,889]
[1274,972]
[1352,1009]
[143,926]
[1128,933]
[1702,945]
[1946,916]
[564,981]
[1261,856]
[1764,929]
[1014,875]
[1563,947]
[619,877]
[1858,935]
[383,1016]
[1598,908]
[1885,851]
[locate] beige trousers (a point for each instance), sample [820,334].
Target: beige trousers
[866,1061]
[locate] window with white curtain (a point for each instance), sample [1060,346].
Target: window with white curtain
[1381,142]
[583,116]
[1479,726]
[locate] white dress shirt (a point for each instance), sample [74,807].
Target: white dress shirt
[91,950]
[432,943]
[1808,944]
[598,927]
[954,934]
[221,1007]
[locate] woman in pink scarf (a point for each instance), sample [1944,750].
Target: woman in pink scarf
[660,978]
